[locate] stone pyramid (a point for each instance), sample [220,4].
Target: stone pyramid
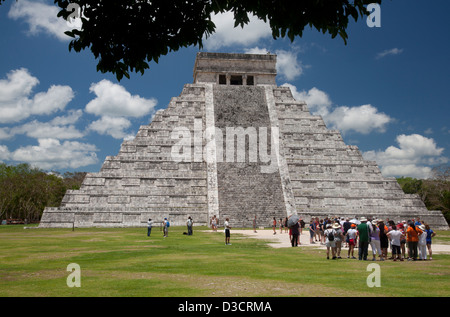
[235,145]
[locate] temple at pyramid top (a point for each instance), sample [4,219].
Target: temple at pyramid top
[235,69]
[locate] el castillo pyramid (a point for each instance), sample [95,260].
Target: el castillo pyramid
[235,145]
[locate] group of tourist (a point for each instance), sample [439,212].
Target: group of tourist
[336,233]
[166,224]
[380,235]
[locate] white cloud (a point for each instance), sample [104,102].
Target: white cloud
[115,101]
[287,65]
[39,130]
[226,34]
[394,51]
[256,50]
[411,158]
[41,18]
[4,153]
[18,84]
[362,119]
[15,101]
[318,101]
[113,126]
[51,154]
[56,98]
[58,128]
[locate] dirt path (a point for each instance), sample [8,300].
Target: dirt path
[281,240]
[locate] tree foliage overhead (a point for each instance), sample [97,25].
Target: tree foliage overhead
[126,35]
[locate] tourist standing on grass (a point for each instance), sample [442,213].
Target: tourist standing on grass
[345,226]
[295,231]
[166,226]
[396,237]
[312,231]
[321,231]
[401,228]
[189,224]
[214,223]
[430,234]
[338,237]
[149,227]
[281,225]
[227,231]
[384,240]
[412,238]
[375,241]
[422,244]
[363,236]
[330,243]
[351,235]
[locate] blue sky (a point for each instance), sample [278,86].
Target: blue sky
[387,90]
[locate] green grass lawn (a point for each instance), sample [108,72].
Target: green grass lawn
[125,262]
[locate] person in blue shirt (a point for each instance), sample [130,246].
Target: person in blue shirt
[430,234]
[417,223]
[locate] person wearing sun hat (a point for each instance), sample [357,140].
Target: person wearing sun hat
[375,241]
[364,236]
[338,237]
[422,244]
[330,243]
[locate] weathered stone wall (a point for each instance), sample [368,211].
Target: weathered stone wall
[143,181]
[244,190]
[330,178]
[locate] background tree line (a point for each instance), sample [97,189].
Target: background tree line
[25,191]
[434,192]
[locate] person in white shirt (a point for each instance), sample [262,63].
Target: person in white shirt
[227,231]
[351,234]
[422,245]
[189,224]
[396,236]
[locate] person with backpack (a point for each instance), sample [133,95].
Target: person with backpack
[338,237]
[364,239]
[330,242]
[166,225]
